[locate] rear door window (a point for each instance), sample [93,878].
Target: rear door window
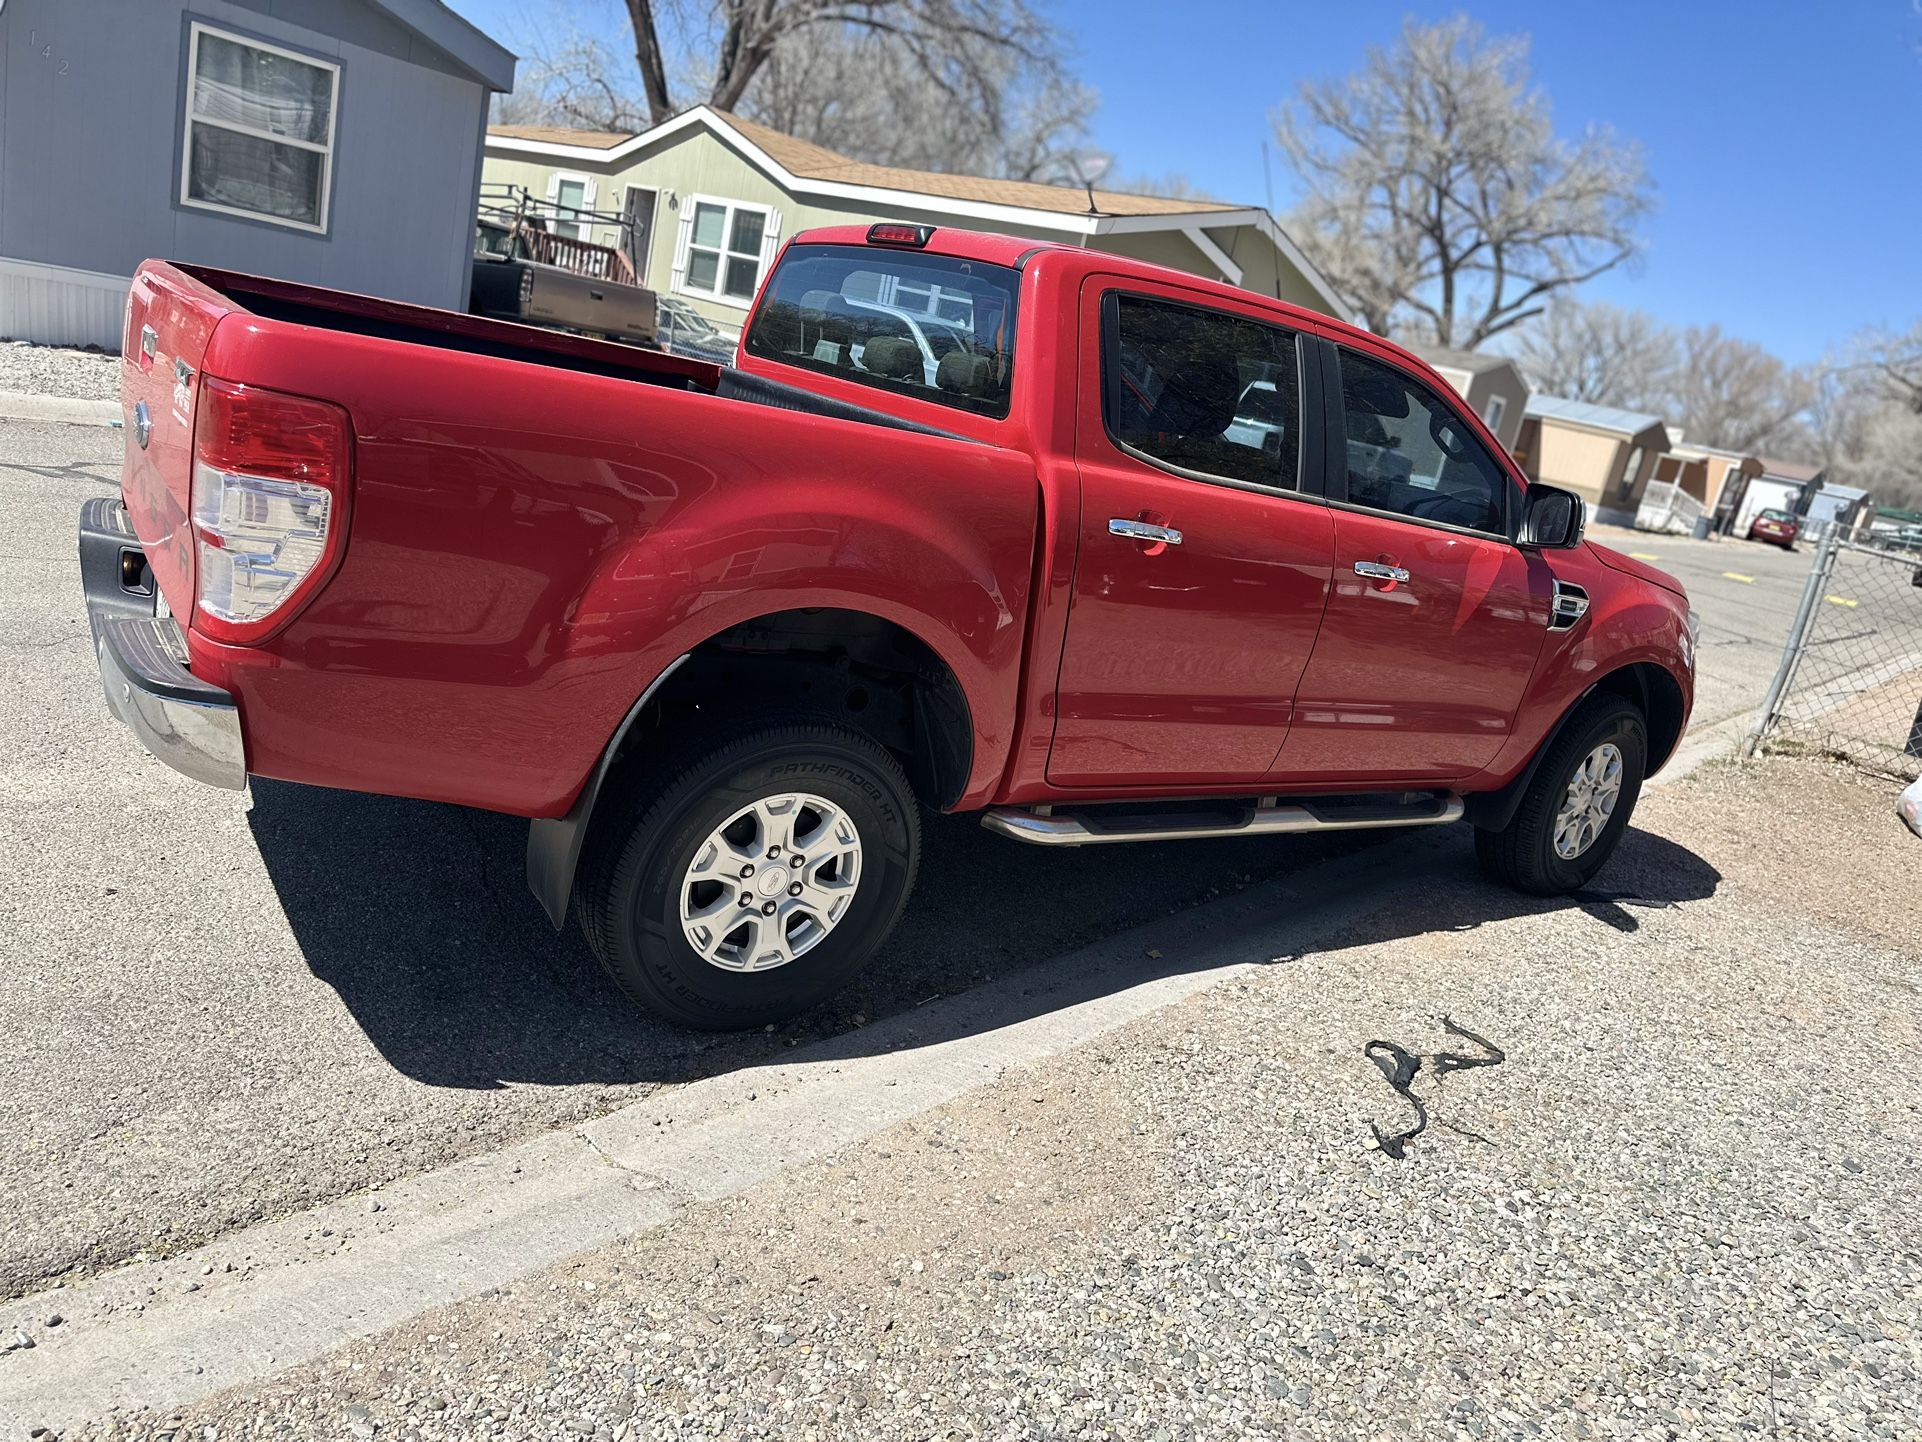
[1201,392]
[934,327]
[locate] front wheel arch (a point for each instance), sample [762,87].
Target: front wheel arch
[1645,685]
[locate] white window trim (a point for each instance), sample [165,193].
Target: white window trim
[1494,413]
[588,187]
[190,120]
[769,219]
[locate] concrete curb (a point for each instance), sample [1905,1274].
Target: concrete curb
[63,410]
[164,1334]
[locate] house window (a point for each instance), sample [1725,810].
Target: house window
[724,246]
[1630,471]
[570,199]
[259,130]
[1493,413]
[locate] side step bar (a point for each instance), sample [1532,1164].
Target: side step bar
[1044,826]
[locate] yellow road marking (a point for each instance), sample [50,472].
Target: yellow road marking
[1738,576]
[1841,601]
[1644,556]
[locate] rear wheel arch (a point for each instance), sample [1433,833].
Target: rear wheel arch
[864,670]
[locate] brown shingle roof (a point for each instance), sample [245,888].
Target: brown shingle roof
[561,135]
[817,162]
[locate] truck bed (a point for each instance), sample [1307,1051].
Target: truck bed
[540,524]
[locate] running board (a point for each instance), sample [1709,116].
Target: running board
[1047,826]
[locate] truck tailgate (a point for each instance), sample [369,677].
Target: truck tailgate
[170,318]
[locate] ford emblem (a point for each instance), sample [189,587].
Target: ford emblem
[142,424]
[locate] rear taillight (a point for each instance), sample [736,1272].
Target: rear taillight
[270,497]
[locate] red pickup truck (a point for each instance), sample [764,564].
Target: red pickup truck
[1103,551]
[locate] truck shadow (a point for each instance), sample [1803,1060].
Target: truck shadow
[419,918]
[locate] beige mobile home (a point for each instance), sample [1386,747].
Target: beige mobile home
[1603,454]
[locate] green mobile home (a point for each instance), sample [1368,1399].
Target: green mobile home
[708,198]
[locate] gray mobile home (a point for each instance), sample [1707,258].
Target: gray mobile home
[330,141]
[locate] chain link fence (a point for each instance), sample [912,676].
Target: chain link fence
[1850,679]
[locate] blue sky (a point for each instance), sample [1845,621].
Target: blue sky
[1785,139]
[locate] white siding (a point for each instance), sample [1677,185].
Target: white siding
[53,305]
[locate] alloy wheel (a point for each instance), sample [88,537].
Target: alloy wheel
[771,882]
[1593,792]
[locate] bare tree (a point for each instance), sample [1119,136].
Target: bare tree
[1869,417]
[1600,353]
[573,79]
[861,93]
[1733,393]
[953,44]
[978,86]
[1894,360]
[1438,198]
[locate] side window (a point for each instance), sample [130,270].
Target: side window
[1411,454]
[1201,390]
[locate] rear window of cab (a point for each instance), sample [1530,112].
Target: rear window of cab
[934,327]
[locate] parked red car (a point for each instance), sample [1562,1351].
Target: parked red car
[1145,557]
[1778,528]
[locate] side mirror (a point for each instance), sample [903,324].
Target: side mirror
[1552,519]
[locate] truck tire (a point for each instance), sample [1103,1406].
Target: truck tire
[1577,806]
[689,895]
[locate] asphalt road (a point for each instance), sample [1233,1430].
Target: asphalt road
[1746,594]
[218,1008]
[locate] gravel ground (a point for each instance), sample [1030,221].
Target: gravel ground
[51,370]
[1681,1207]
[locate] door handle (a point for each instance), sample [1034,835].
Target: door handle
[1380,571]
[1143,531]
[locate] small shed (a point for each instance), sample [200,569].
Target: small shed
[1492,384]
[330,141]
[1604,454]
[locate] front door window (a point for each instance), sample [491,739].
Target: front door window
[1410,454]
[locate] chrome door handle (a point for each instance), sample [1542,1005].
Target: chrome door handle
[1142,531]
[1378,571]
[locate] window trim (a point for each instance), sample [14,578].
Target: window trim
[1337,460]
[197,28]
[585,227]
[1110,338]
[728,207]
[1498,403]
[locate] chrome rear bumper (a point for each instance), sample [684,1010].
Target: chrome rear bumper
[192,726]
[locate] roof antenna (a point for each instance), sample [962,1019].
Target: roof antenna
[1268,182]
[1093,209]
